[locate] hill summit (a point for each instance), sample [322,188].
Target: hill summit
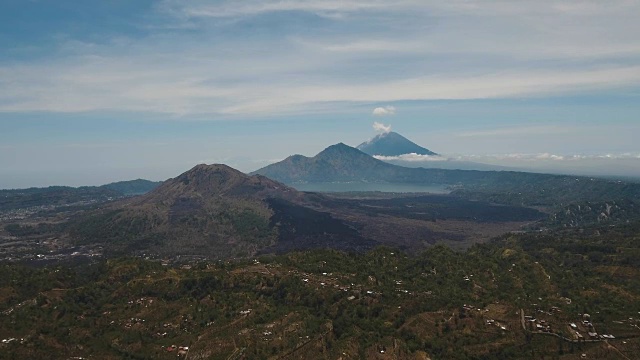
[338,162]
[211,183]
[392,144]
[218,212]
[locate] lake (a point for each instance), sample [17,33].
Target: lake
[382,187]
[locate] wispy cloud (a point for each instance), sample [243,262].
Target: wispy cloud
[553,157]
[517,157]
[231,9]
[413,157]
[244,58]
[615,164]
[147,88]
[384,111]
[370,46]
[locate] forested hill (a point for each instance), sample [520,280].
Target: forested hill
[66,195]
[514,298]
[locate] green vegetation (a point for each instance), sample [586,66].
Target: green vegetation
[30,230]
[53,196]
[132,187]
[358,306]
[590,213]
[554,191]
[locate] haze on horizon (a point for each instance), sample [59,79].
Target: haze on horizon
[94,92]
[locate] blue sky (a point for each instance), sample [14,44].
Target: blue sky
[92,92]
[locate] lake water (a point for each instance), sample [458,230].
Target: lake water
[382,187]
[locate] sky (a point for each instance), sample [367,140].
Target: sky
[99,91]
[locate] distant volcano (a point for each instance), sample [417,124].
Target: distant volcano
[392,144]
[342,163]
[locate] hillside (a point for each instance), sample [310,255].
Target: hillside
[132,187]
[589,213]
[392,144]
[514,298]
[214,211]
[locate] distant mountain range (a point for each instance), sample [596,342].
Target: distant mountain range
[338,162]
[64,195]
[342,163]
[392,144]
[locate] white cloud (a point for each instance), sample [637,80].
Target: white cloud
[546,157]
[387,51]
[381,127]
[511,157]
[621,164]
[234,9]
[365,46]
[384,111]
[119,85]
[413,157]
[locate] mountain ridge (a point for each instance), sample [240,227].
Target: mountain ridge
[337,162]
[12,199]
[506,187]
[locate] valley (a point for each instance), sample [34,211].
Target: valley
[359,187]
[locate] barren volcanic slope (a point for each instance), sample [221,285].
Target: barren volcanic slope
[215,211]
